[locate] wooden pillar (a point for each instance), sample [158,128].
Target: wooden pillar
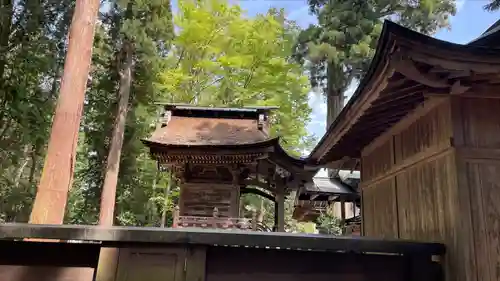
[176,215]
[57,175]
[235,195]
[275,227]
[342,209]
[280,202]
[107,264]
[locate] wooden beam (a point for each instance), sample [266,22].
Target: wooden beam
[390,97]
[248,190]
[407,67]
[482,67]
[422,110]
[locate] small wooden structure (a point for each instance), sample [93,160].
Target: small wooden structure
[425,126]
[166,254]
[320,193]
[217,153]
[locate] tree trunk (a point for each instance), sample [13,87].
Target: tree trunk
[106,216]
[334,96]
[334,104]
[57,175]
[20,170]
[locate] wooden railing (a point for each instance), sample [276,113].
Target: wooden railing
[216,222]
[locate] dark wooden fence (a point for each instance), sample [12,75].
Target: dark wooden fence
[138,254]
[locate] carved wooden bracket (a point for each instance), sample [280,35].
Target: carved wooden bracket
[180,171]
[403,64]
[236,172]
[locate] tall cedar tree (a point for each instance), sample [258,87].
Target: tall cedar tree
[144,28]
[339,48]
[131,39]
[57,175]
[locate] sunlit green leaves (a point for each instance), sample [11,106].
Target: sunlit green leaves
[223,57]
[339,48]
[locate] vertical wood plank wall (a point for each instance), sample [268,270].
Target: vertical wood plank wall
[478,154]
[200,199]
[409,184]
[437,178]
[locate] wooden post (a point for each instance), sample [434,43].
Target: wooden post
[342,209]
[342,215]
[235,194]
[276,211]
[280,201]
[107,264]
[57,175]
[215,215]
[254,220]
[175,222]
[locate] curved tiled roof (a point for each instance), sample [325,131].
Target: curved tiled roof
[406,67]
[193,131]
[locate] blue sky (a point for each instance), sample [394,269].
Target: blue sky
[469,22]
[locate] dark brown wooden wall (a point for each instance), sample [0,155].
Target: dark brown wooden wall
[30,261]
[230,264]
[200,199]
[435,176]
[21,261]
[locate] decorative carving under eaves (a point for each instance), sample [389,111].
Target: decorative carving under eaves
[180,171]
[282,172]
[219,173]
[209,158]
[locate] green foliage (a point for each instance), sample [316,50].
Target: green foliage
[494,5]
[254,203]
[32,49]
[339,48]
[222,57]
[328,223]
[148,25]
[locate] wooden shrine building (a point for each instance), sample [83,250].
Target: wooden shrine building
[424,129]
[322,192]
[219,153]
